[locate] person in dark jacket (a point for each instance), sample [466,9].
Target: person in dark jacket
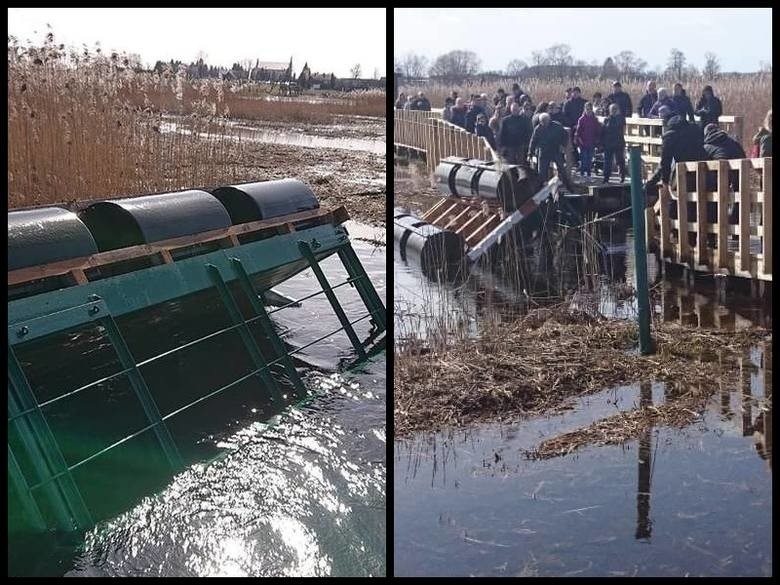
[682,103]
[421,103]
[482,129]
[517,93]
[556,115]
[540,109]
[762,140]
[514,135]
[399,103]
[720,146]
[663,100]
[573,108]
[708,108]
[614,141]
[549,138]
[500,97]
[458,113]
[599,104]
[471,115]
[621,98]
[647,101]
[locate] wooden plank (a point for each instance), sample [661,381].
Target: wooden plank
[744,215]
[453,207]
[482,230]
[667,250]
[457,220]
[723,259]
[435,209]
[701,254]
[474,220]
[166,256]
[683,251]
[79,277]
[767,216]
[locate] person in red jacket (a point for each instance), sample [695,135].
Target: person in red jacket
[586,136]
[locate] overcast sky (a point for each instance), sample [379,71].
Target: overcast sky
[330,39]
[742,38]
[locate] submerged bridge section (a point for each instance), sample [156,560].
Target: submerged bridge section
[69,271]
[718,238]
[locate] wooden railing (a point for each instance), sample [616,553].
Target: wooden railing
[426,131]
[646,132]
[713,254]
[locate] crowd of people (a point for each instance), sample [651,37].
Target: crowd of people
[516,129]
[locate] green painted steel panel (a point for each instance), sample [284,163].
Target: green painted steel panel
[137,290]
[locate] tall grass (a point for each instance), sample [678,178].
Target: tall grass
[748,96]
[83,125]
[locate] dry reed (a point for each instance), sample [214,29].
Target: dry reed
[84,126]
[748,96]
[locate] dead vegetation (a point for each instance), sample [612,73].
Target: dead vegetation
[538,362]
[84,126]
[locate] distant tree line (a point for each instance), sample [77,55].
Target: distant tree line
[557,62]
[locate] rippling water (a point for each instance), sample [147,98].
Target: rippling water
[299,493]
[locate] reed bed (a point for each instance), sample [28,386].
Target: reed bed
[541,360]
[749,95]
[84,125]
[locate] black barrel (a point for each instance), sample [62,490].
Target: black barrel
[265,200]
[120,223]
[49,234]
[434,248]
[512,185]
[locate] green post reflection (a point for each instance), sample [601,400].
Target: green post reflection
[643,522]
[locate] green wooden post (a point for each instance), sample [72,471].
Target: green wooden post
[640,251]
[364,286]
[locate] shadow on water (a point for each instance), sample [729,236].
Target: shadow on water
[293,492]
[673,502]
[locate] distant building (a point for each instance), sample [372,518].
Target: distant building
[349,84]
[271,71]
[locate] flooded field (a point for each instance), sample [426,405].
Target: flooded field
[301,492]
[671,501]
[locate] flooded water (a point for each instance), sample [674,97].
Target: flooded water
[675,502]
[297,492]
[246,132]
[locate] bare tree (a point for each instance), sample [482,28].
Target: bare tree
[355,71]
[609,70]
[559,56]
[515,66]
[539,58]
[456,64]
[629,65]
[676,63]
[711,65]
[414,65]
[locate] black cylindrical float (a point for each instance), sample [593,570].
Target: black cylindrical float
[266,199]
[434,248]
[120,223]
[511,185]
[45,235]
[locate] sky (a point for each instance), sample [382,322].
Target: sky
[741,38]
[330,39]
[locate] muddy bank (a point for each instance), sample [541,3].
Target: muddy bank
[354,179]
[538,363]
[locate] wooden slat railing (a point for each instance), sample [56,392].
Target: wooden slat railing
[713,254]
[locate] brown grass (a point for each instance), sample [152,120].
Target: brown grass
[749,96]
[80,126]
[543,359]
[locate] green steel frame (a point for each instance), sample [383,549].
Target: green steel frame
[101,301]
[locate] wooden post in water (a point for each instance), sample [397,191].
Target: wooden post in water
[640,251]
